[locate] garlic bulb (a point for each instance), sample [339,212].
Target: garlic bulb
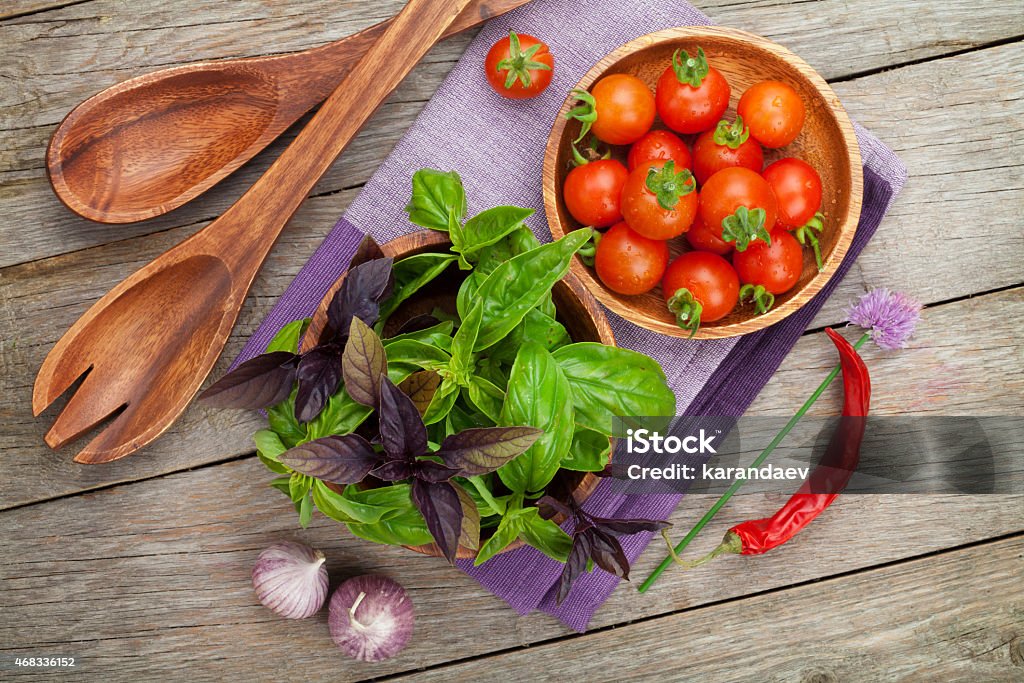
[291,579]
[371,618]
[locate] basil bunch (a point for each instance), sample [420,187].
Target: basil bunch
[464,418]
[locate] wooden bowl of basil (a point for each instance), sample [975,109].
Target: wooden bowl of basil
[577,310]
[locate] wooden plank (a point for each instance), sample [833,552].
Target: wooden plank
[22,8]
[153,578]
[951,617]
[952,122]
[60,59]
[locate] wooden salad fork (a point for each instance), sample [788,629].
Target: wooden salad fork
[146,347]
[164,138]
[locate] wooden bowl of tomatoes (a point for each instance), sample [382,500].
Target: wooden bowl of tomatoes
[724,174]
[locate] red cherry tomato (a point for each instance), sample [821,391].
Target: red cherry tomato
[738,206]
[702,239]
[776,266]
[629,263]
[691,95]
[700,287]
[660,144]
[625,109]
[519,66]
[774,112]
[593,192]
[797,188]
[727,146]
[659,201]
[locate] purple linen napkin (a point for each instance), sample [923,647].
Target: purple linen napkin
[497,146]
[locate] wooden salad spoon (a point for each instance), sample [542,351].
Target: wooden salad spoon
[148,145]
[146,347]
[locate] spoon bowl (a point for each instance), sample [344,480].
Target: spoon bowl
[150,144]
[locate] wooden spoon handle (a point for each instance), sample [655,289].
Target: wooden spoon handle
[244,234]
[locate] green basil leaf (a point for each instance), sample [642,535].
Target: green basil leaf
[268,444]
[537,327]
[609,381]
[435,196]
[589,451]
[305,511]
[439,335]
[409,528]
[466,297]
[287,338]
[441,404]
[282,484]
[298,486]
[544,535]
[342,508]
[507,532]
[538,396]
[462,344]
[491,370]
[412,352]
[341,415]
[490,226]
[487,398]
[520,284]
[459,419]
[281,419]
[411,274]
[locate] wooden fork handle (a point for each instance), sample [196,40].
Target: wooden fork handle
[243,235]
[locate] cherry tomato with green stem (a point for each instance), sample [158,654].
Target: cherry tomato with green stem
[703,239]
[519,66]
[774,112]
[797,188]
[660,145]
[728,145]
[700,287]
[593,192]
[658,201]
[767,270]
[691,95]
[629,263]
[619,109]
[738,206]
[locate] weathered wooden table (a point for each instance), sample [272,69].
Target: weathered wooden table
[140,568]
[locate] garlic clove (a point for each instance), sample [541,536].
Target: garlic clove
[290,579]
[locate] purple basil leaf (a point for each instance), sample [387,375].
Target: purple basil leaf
[395,470]
[363,364]
[360,294]
[480,451]
[625,527]
[402,432]
[575,565]
[319,376]
[337,459]
[607,553]
[442,510]
[417,323]
[259,382]
[432,472]
[550,507]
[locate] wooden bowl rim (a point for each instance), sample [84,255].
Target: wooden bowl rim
[847,228]
[420,240]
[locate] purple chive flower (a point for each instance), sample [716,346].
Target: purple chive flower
[890,317]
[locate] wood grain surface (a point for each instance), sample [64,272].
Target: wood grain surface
[920,587]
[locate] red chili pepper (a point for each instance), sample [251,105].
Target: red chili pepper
[831,475]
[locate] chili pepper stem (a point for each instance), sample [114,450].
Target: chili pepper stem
[665,563]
